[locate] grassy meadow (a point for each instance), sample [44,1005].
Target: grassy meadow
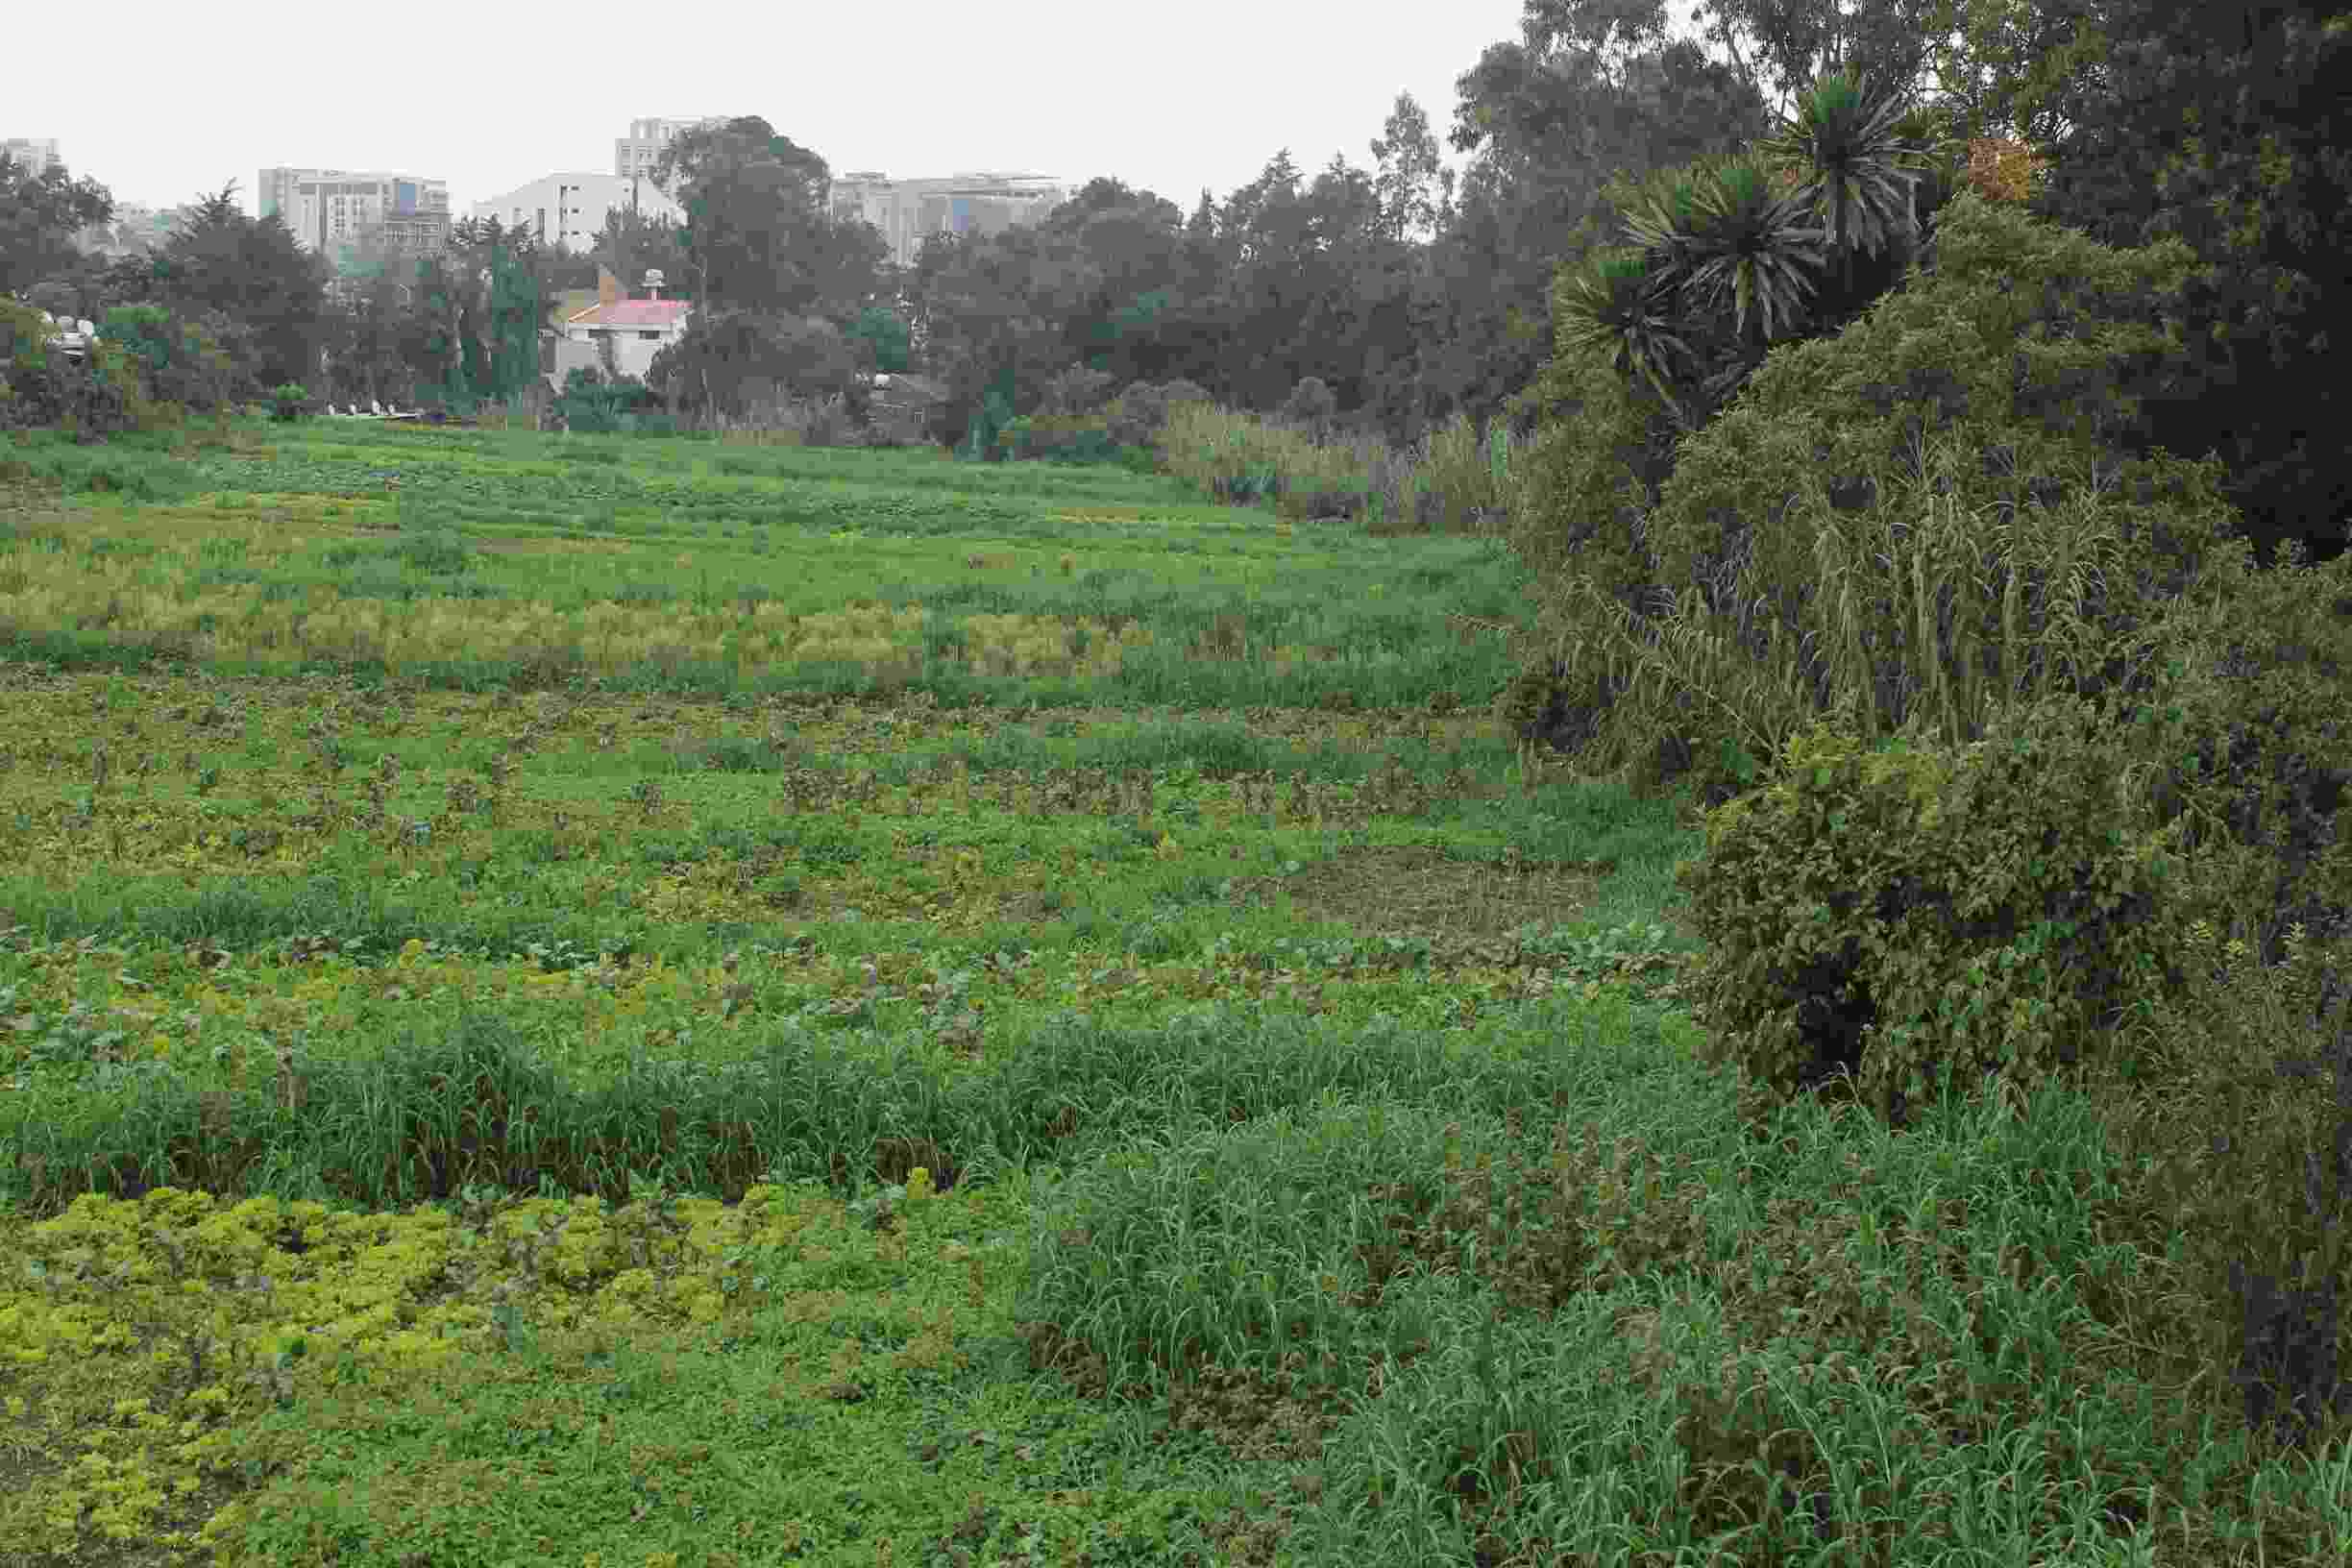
[651,1003]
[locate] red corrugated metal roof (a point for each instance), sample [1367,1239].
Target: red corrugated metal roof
[630,313]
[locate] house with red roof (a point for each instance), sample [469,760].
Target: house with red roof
[636,329]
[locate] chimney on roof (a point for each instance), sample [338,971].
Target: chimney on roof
[608,287]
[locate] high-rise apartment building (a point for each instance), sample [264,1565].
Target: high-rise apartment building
[568,210]
[329,208]
[35,153]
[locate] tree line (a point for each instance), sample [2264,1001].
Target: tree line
[1412,300]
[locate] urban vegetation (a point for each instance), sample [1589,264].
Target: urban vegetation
[1292,924]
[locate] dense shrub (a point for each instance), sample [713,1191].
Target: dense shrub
[1804,554]
[994,413]
[1908,918]
[1139,414]
[178,359]
[1925,965]
[593,405]
[40,388]
[2002,735]
[1312,407]
[728,357]
[1066,438]
[888,335]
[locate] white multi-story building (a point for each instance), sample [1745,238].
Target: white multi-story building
[635,154]
[329,208]
[36,153]
[568,210]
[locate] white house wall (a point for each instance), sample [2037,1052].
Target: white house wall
[577,350]
[572,208]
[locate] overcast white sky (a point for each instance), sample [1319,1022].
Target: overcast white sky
[910,87]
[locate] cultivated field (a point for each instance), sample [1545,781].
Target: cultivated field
[761,1006]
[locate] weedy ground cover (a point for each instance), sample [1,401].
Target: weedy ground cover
[587,1001]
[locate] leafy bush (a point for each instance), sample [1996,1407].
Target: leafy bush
[1069,438]
[730,354]
[2250,1147]
[2252,1204]
[1959,825]
[2052,901]
[889,334]
[1250,487]
[1138,416]
[1901,915]
[40,388]
[436,550]
[995,412]
[1311,406]
[179,360]
[1808,470]
[594,406]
